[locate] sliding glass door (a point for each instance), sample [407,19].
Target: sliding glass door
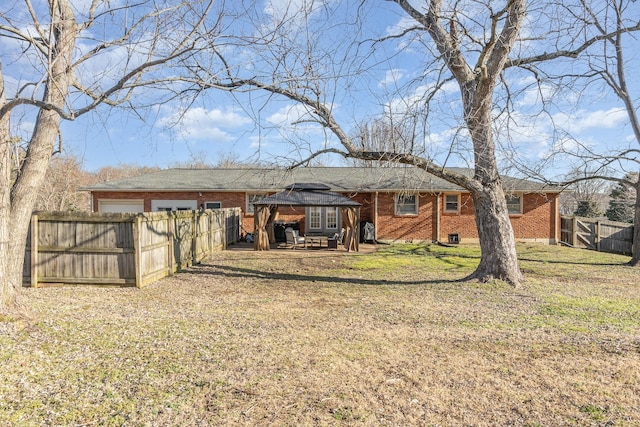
[322,220]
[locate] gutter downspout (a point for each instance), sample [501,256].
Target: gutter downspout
[438,206]
[557,224]
[375,217]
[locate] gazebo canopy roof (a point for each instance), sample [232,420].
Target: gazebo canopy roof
[307,194]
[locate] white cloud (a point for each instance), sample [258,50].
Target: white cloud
[82,7]
[401,105]
[23,128]
[583,120]
[286,9]
[257,141]
[404,23]
[392,77]
[106,67]
[405,44]
[289,16]
[228,118]
[535,95]
[289,115]
[529,136]
[202,123]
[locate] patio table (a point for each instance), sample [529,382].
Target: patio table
[319,240]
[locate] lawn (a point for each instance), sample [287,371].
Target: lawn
[306,338]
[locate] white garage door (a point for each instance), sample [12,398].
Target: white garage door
[120,206]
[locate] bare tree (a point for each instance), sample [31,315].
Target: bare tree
[227,160]
[110,173]
[76,58]
[230,160]
[584,191]
[61,190]
[610,67]
[604,65]
[468,44]
[196,161]
[383,134]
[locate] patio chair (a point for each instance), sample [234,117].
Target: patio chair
[333,242]
[293,238]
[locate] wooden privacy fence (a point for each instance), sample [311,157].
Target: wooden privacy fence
[590,233]
[123,249]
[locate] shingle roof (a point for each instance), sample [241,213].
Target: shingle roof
[356,179]
[302,186]
[306,197]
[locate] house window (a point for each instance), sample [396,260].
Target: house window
[315,215]
[514,204]
[213,205]
[174,205]
[406,204]
[452,203]
[332,218]
[253,198]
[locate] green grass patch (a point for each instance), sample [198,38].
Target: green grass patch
[589,313]
[596,413]
[419,257]
[312,338]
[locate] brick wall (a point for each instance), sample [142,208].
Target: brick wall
[368,205]
[463,222]
[229,200]
[289,215]
[538,220]
[405,227]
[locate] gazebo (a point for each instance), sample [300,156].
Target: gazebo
[303,195]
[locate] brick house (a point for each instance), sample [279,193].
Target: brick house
[403,203]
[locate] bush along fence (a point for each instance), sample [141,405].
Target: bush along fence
[122,249]
[591,233]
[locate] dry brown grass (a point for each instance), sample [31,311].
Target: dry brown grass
[322,338]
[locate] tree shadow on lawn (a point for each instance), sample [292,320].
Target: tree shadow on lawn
[561,261]
[248,273]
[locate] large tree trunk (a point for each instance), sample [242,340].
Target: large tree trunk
[635,247]
[7,291]
[25,192]
[499,259]
[34,168]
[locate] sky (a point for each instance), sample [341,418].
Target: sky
[259,127]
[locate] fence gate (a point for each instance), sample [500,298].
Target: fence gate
[590,233]
[585,234]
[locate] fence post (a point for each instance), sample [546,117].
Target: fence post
[219,221]
[212,214]
[34,251]
[597,242]
[170,242]
[137,249]
[194,237]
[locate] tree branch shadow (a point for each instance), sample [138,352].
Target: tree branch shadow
[249,273]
